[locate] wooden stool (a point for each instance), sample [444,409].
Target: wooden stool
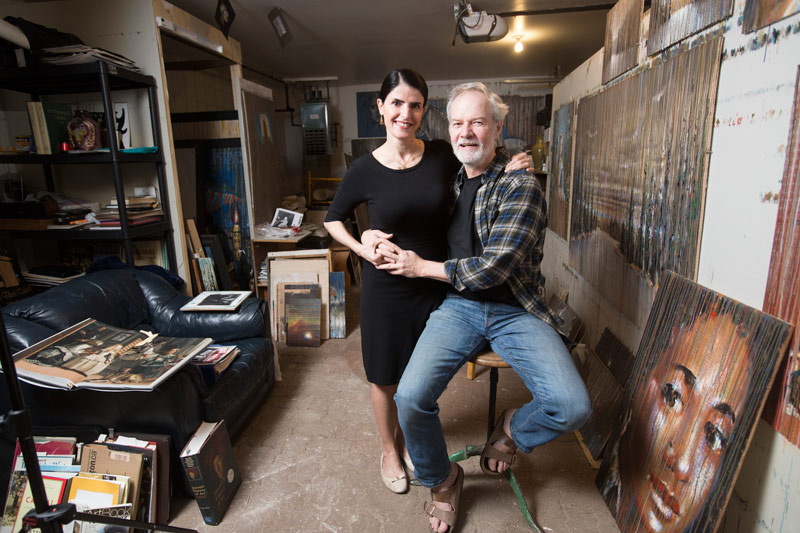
[494,362]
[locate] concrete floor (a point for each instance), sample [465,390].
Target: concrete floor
[309,458]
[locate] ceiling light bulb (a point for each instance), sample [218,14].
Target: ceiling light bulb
[518,45]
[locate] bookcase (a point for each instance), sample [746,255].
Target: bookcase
[103,78]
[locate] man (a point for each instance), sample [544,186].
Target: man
[495,242]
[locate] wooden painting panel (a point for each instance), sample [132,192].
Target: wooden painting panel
[302,320]
[639,177]
[782,295]
[606,396]
[337,314]
[621,50]
[700,378]
[561,170]
[615,355]
[674,20]
[760,13]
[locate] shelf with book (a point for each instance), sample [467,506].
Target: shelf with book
[79,159]
[97,78]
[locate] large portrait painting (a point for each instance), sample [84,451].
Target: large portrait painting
[782,295]
[561,170]
[673,20]
[700,378]
[621,50]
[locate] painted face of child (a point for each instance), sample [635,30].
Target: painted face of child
[681,425]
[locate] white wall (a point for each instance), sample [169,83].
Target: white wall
[753,114]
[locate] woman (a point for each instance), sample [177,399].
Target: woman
[406,185]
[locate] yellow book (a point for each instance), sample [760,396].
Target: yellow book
[94,492]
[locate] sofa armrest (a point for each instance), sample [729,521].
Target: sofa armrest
[164,303]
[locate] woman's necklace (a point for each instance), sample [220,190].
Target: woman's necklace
[404,162]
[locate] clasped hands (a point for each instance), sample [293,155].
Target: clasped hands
[379,250]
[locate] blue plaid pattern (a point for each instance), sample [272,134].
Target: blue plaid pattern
[511,216]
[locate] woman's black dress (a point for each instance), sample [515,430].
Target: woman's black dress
[413,205]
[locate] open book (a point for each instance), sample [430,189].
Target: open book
[94,355]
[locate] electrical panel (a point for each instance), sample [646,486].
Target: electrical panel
[315,119]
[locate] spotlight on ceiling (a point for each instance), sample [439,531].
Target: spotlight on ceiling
[477,26]
[279,25]
[518,45]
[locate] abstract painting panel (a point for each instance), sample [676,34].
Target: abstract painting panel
[700,379]
[674,20]
[760,13]
[782,295]
[639,176]
[561,170]
[621,50]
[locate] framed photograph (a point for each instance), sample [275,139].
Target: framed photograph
[216,301]
[287,219]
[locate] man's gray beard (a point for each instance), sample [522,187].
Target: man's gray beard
[472,159]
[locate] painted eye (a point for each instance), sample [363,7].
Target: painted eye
[671,396]
[714,437]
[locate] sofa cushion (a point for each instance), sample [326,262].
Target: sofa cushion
[111,296]
[22,333]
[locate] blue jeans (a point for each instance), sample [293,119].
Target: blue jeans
[455,332]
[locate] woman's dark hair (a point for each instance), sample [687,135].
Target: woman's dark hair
[404,75]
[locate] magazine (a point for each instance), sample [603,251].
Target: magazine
[98,356]
[216,301]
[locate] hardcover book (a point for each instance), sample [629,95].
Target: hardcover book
[214,360]
[216,301]
[95,355]
[211,470]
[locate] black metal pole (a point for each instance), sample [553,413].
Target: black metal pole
[19,418]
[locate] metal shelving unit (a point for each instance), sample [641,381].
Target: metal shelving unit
[104,78]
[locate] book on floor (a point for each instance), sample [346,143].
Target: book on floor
[107,459]
[211,469]
[216,301]
[95,355]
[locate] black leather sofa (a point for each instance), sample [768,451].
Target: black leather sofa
[135,299]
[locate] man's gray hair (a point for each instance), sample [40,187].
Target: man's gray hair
[499,109]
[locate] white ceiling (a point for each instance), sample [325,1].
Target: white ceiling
[359,41]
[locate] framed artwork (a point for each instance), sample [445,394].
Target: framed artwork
[369,119]
[621,50]
[224,16]
[760,13]
[700,379]
[673,20]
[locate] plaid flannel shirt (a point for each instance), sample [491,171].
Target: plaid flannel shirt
[510,217]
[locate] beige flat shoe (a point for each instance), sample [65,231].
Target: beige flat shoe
[398,485]
[408,464]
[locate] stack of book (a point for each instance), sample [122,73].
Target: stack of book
[213,361]
[50,276]
[81,53]
[141,210]
[121,476]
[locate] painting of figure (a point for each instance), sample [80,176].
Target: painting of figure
[700,379]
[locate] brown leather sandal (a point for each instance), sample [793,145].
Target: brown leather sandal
[451,496]
[490,452]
